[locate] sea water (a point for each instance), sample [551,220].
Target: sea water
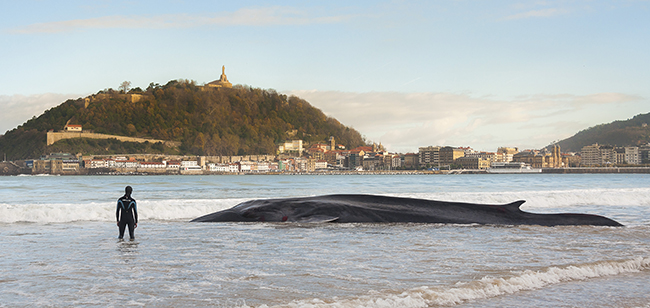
[59,246]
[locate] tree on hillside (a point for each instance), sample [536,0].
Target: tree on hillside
[125,86]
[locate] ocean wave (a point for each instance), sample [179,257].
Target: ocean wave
[608,202]
[550,198]
[172,209]
[487,287]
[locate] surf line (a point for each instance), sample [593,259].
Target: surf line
[489,287]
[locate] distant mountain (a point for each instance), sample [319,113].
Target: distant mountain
[631,132]
[207,121]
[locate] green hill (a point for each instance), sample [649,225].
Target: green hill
[631,132]
[207,121]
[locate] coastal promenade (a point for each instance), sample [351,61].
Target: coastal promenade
[597,170]
[574,170]
[11,168]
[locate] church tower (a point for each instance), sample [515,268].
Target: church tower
[557,156]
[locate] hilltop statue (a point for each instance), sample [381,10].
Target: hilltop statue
[222,82]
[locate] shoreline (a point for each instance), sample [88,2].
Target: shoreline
[576,170]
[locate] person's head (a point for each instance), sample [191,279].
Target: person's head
[128,190]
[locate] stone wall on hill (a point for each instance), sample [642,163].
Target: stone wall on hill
[53,137]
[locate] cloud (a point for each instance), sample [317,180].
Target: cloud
[17,109]
[406,121]
[549,12]
[263,16]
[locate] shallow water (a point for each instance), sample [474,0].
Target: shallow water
[58,245]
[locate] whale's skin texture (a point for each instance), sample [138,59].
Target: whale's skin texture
[384,209]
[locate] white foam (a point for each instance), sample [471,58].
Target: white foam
[183,209]
[46,213]
[486,287]
[550,198]
[105,211]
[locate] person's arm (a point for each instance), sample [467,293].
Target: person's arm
[117,212]
[135,213]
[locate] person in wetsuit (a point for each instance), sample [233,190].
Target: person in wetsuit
[126,206]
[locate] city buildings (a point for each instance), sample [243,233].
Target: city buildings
[448,155]
[605,155]
[323,157]
[292,146]
[429,156]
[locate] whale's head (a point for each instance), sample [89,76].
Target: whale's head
[221,216]
[249,211]
[301,210]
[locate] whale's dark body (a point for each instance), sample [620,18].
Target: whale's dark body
[372,208]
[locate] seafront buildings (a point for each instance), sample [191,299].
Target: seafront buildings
[604,155]
[323,157]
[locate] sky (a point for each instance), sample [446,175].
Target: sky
[407,74]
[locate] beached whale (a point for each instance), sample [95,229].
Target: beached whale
[374,209]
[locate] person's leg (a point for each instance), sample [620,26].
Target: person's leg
[131,230]
[122,227]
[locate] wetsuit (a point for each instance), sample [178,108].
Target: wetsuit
[129,216]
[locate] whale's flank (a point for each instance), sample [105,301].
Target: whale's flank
[374,208]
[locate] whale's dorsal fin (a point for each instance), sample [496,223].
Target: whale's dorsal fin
[317,219]
[514,206]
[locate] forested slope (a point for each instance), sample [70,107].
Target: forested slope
[631,132]
[207,121]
